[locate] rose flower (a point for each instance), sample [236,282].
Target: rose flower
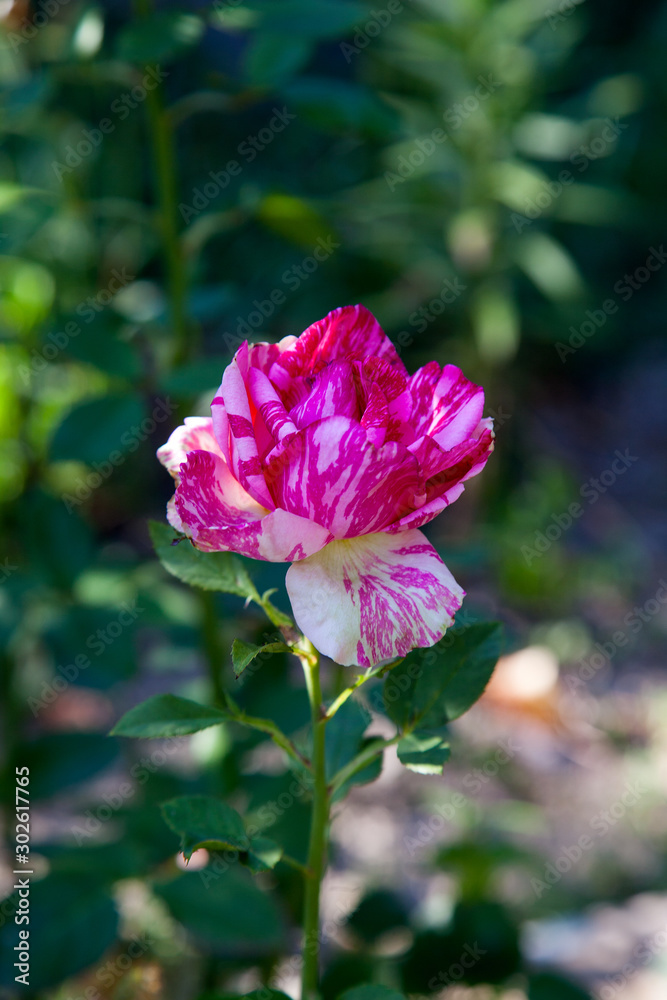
[322,451]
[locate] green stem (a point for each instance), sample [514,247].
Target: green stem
[162,142]
[286,859]
[213,648]
[318,836]
[361,679]
[362,760]
[271,729]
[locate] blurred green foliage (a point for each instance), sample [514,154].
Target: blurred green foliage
[483,175]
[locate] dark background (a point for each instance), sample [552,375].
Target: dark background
[523,235]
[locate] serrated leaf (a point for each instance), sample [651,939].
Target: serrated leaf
[208,570]
[202,821]
[243,653]
[433,686]
[424,751]
[166,715]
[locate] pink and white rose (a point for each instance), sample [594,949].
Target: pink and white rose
[322,451]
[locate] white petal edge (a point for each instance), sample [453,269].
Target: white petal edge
[372,598]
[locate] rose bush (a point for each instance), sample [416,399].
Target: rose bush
[324,452]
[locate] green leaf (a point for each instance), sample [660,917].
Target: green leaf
[309,18]
[159,38]
[379,912]
[263,855]
[275,616]
[243,653]
[93,431]
[295,219]
[207,570]
[59,760]
[344,735]
[369,773]
[272,59]
[196,377]
[340,106]
[106,352]
[74,920]
[202,821]
[550,986]
[371,991]
[59,545]
[225,909]
[166,715]
[433,686]
[424,751]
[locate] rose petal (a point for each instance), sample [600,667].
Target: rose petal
[331,473]
[445,472]
[345,334]
[215,511]
[376,415]
[364,600]
[195,434]
[333,394]
[417,518]
[231,408]
[458,405]
[276,419]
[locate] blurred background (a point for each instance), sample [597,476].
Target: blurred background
[488,178]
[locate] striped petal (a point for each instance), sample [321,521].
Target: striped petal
[332,473]
[345,334]
[446,472]
[217,514]
[364,600]
[232,421]
[333,394]
[457,408]
[195,434]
